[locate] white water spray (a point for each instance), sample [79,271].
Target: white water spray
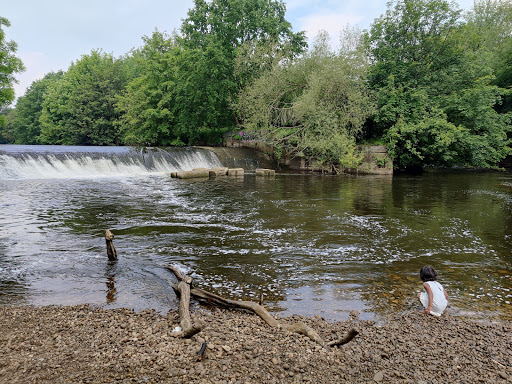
[25,162]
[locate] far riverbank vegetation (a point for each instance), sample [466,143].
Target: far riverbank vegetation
[430,82]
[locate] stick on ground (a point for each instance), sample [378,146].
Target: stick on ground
[211,298]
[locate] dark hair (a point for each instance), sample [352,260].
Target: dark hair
[427,273]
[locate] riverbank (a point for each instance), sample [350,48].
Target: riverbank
[82,344]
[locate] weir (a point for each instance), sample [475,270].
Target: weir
[19,162]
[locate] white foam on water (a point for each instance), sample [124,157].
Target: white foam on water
[69,165]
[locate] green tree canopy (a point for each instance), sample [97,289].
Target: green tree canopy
[233,23]
[26,124]
[6,131]
[429,86]
[146,106]
[9,66]
[188,84]
[221,34]
[490,31]
[314,107]
[79,108]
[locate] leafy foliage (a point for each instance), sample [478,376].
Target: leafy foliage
[79,108]
[9,65]
[490,27]
[7,116]
[432,83]
[188,84]
[315,106]
[233,23]
[435,97]
[26,124]
[145,106]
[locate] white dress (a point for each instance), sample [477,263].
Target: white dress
[439,301]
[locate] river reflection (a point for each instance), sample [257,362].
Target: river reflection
[312,244]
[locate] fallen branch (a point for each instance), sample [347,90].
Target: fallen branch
[211,298]
[188,329]
[345,339]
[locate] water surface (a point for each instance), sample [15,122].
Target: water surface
[312,244]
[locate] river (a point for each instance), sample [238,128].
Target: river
[312,244]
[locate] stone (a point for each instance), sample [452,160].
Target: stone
[195,173]
[265,172]
[355,313]
[235,172]
[379,376]
[218,171]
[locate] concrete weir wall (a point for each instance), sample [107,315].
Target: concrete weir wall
[376,160]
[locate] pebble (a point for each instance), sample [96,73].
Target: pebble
[503,375]
[379,376]
[119,345]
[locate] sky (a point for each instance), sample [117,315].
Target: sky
[51,34]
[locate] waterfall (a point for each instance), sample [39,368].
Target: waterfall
[61,162]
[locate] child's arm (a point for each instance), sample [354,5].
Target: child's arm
[445,294]
[430,298]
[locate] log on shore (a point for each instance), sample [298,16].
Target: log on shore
[300,328]
[188,328]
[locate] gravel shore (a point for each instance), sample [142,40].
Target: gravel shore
[83,344]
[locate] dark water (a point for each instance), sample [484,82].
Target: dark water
[312,244]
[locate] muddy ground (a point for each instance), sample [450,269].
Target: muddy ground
[82,344]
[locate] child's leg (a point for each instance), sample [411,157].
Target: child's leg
[423,299]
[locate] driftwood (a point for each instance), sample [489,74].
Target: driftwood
[345,339]
[211,298]
[188,328]
[111,250]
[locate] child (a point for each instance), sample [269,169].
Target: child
[434,297]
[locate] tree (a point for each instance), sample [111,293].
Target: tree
[412,46]
[6,130]
[203,90]
[428,84]
[26,124]
[233,23]
[315,106]
[9,66]
[490,28]
[79,108]
[146,105]
[219,34]
[188,84]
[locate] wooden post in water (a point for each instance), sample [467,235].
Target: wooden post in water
[111,250]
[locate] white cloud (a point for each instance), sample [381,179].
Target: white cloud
[37,66]
[331,23]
